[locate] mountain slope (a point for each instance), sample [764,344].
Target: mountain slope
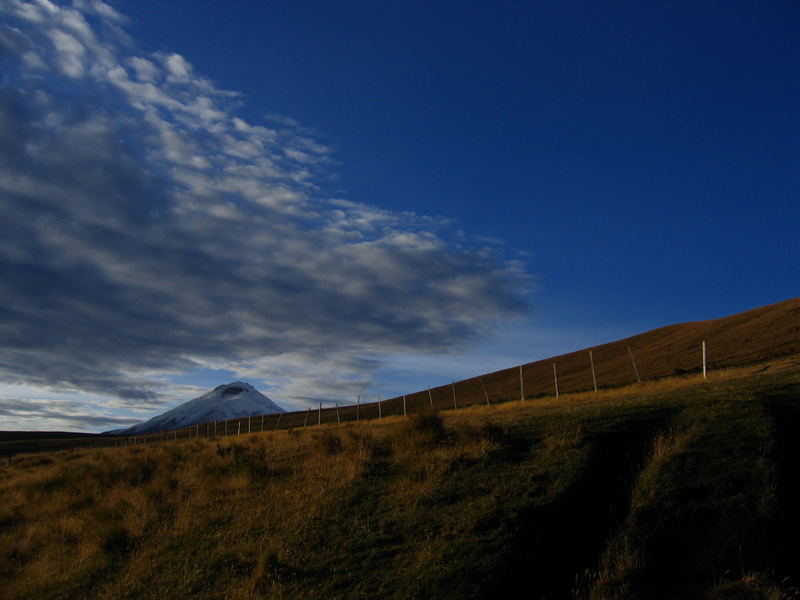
[749,338]
[753,337]
[231,401]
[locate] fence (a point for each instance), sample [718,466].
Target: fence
[608,366]
[756,336]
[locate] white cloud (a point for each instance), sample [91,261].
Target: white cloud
[70,53]
[177,67]
[149,230]
[103,10]
[146,70]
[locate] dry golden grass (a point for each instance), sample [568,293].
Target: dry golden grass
[460,504]
[437,505]
[753,339]
[751,586]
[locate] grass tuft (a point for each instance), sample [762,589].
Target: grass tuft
[752,586]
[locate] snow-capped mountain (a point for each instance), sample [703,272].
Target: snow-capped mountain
[231,401]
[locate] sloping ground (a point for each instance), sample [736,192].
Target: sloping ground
[677,489]
[753,337]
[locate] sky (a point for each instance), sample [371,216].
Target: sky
[331,199]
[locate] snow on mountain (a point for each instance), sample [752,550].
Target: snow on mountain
[231,401]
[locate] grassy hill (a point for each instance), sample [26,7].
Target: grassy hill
[753,337]
[675,488]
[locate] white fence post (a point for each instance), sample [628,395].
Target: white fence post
[404,406]
[278,422]
[338,419]
[455,403]
[521,385]
[430,398]
[555,378]
[635,368]
[319,415]
[704,359]
[483,387]
[594,377]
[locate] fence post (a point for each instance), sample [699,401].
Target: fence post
[226,427]
[521,385]
[308,414]
[704,359]
[430,397]
[594,377]
[555,378]
[455,403]
[404,406]
[262,423]
[239,428]
[338,419]
[278,422]
[635,368]
[358,408]
[483,387]
[319,415]
[380,414]
[248,424]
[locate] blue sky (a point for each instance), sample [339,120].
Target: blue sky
[328,199]
[642,155]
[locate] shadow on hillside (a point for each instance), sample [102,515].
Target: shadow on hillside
[784,407]
[557,544]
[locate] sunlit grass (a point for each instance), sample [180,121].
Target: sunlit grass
[450,505]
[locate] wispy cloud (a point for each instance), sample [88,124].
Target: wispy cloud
[149,230]
[38,414]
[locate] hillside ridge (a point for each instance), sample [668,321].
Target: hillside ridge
[747,338]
